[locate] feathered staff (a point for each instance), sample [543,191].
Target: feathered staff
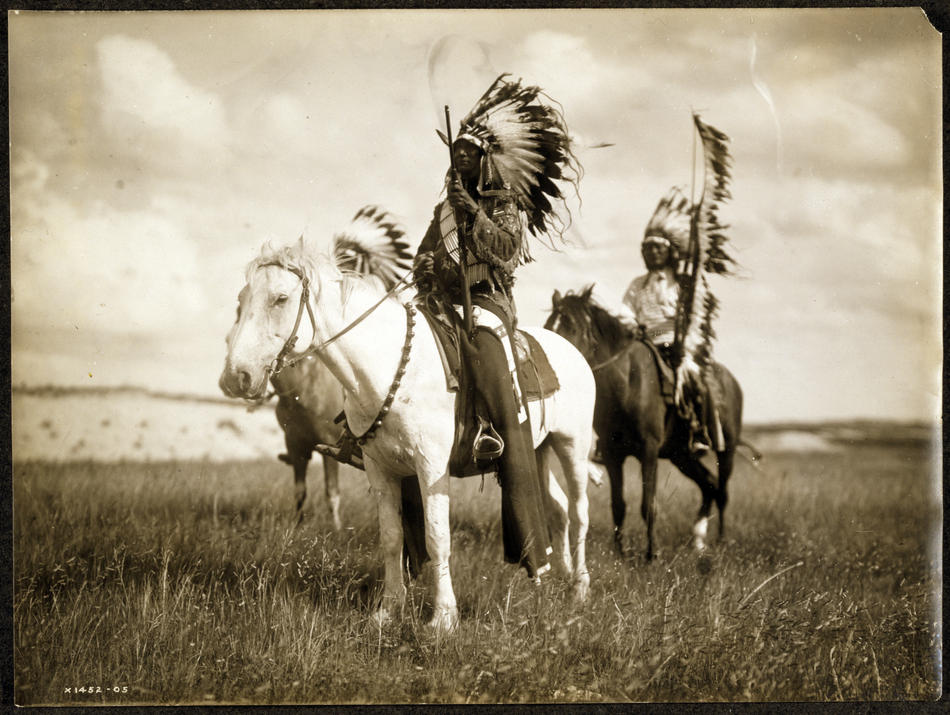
[697,308]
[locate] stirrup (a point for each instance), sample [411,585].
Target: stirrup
[488,444]
[346,450]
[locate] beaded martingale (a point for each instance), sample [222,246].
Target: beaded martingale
[397,380]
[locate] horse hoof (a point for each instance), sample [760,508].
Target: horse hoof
[444,620]
[381,617]
[581,589]
[704,563]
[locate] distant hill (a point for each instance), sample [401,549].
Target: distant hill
[129,423]
[846,433]
[134,423]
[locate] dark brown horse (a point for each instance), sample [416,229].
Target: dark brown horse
[632,418]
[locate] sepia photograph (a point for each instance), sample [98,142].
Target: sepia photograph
[476,357]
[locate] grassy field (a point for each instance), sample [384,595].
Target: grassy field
[189,582]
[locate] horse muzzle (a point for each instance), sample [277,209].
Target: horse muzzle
[238,382]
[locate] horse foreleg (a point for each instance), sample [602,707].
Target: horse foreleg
[331,487]
[694,469]
[648,466]
[618,507]
[299,463]
[573,458]
[556,509]
[435,497]
[725,461]
[388,499]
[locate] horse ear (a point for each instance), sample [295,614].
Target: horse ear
[556,298]
[587,291]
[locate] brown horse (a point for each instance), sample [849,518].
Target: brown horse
[308,401]
[632,418]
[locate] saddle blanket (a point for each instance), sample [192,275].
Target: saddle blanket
[536,379]
[535,373]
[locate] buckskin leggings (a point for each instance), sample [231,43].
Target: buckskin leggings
[524,528]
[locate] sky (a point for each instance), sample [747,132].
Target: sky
[153,153]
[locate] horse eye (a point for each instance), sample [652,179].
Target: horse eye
[281,299]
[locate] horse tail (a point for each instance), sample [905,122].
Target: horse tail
[755,457]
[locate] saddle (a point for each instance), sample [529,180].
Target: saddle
[708,406]
[536,379]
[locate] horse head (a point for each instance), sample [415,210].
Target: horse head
[586,324]
[280,284]
[571,319]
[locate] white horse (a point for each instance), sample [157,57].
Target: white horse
[413,432]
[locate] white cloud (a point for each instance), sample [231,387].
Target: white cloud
[146,99]
[102,269]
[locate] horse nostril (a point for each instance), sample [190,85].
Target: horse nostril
[244,379]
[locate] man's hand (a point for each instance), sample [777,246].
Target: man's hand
[422,264]
[459,198]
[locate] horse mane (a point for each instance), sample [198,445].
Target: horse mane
[605,328]
[310,259]
[299,255]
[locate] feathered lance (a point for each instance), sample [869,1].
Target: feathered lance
[459,224]
[688,277]
[705,254]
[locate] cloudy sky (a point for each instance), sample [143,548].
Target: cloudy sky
[153,153]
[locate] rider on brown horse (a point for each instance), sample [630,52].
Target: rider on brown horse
[509,148]
[651,302]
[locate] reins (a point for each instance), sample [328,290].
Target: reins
[281,361]
[616,356]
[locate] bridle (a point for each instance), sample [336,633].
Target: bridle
[281,361]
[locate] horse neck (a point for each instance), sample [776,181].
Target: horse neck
[364,359]
[600,349]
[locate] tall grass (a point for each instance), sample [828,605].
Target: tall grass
[191,583]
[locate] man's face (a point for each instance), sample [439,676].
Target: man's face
[467,158]
[656,255]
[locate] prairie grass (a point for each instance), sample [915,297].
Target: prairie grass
[191,582]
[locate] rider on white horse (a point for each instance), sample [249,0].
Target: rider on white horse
[492,200]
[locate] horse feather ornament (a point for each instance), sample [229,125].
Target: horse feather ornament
[705,254]
[373,245]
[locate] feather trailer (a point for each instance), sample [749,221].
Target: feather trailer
[526,141]
[373,244]
[705,254]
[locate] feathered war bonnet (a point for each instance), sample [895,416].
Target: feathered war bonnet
[670,223]
[526,149]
